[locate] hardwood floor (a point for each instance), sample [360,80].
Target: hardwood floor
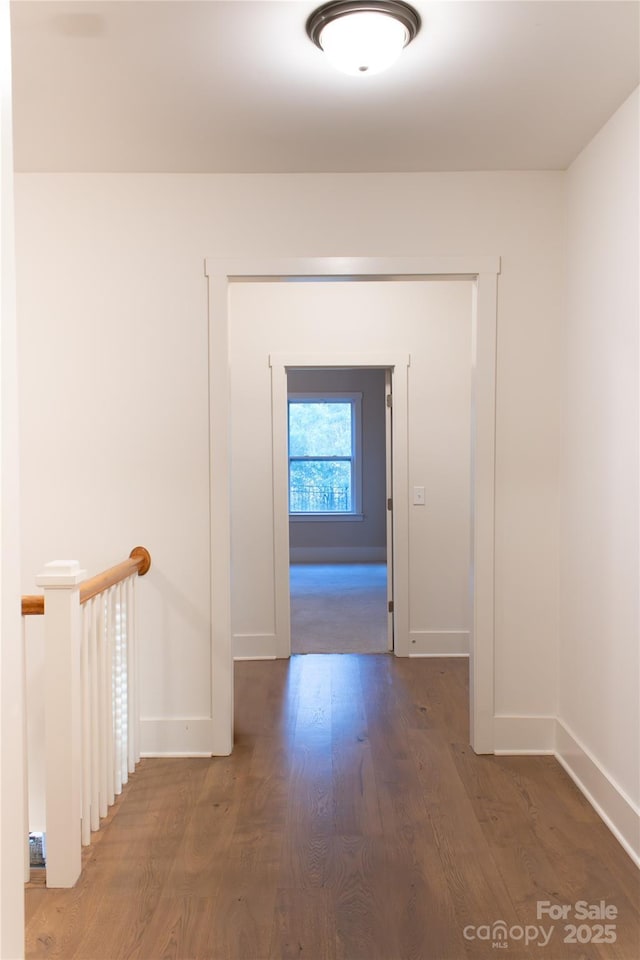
[352,822]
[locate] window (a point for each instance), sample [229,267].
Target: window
[324,460]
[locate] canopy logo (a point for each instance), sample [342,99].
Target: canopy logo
[591,930]
[499,934]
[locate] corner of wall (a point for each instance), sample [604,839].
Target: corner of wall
[619,812]
[597,738]
[12,826]
[521,736]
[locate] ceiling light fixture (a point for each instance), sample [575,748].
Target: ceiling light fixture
[362,37]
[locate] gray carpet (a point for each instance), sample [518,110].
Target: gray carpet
[338,608]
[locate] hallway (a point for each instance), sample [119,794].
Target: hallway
[352,821]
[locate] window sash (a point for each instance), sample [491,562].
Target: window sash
[354,400]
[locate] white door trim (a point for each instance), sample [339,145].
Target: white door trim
[484,271]
[398,365]
[389,492]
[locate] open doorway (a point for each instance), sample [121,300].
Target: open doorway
[339,555]
[223,278]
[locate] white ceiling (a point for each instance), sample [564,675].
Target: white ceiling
[237,86]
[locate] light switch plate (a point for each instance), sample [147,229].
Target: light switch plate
[418,496]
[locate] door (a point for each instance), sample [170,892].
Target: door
[389,468]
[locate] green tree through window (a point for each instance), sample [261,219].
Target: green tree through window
[321,455]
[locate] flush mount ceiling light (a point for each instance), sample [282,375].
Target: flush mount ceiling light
[360,37]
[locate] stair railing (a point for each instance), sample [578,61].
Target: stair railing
[91,700]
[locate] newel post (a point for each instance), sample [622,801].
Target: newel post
[62,635]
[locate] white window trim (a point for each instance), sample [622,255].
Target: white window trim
[355,399]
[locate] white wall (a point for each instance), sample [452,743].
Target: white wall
[431,322]
[113,366]
[364,540]
[12,834]
[599,667]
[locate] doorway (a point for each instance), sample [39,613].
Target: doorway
[340,550]
[483,272]
[392,368]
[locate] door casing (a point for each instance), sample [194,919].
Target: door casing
[398,568]
[483,271]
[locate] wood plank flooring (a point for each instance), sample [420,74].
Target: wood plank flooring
[352,822]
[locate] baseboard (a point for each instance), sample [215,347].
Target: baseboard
[338,554]
[524,735]
[548,735]
[254,646]
[176,737]
[618,811]
[439,643]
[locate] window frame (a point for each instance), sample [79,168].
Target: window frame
[331,396]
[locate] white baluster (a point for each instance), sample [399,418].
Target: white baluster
[124,682]
[104,706]
[109,693]
[85,733]
[117,694]
[94,669]
[135,672]
[62,625]
[25,748]
[131,678]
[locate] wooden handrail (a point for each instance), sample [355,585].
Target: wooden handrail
[139,562]
[32,605]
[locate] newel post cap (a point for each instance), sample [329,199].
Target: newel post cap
[61,573]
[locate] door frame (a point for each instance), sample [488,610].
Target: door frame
[398,364]
[483,271]
[388,486]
